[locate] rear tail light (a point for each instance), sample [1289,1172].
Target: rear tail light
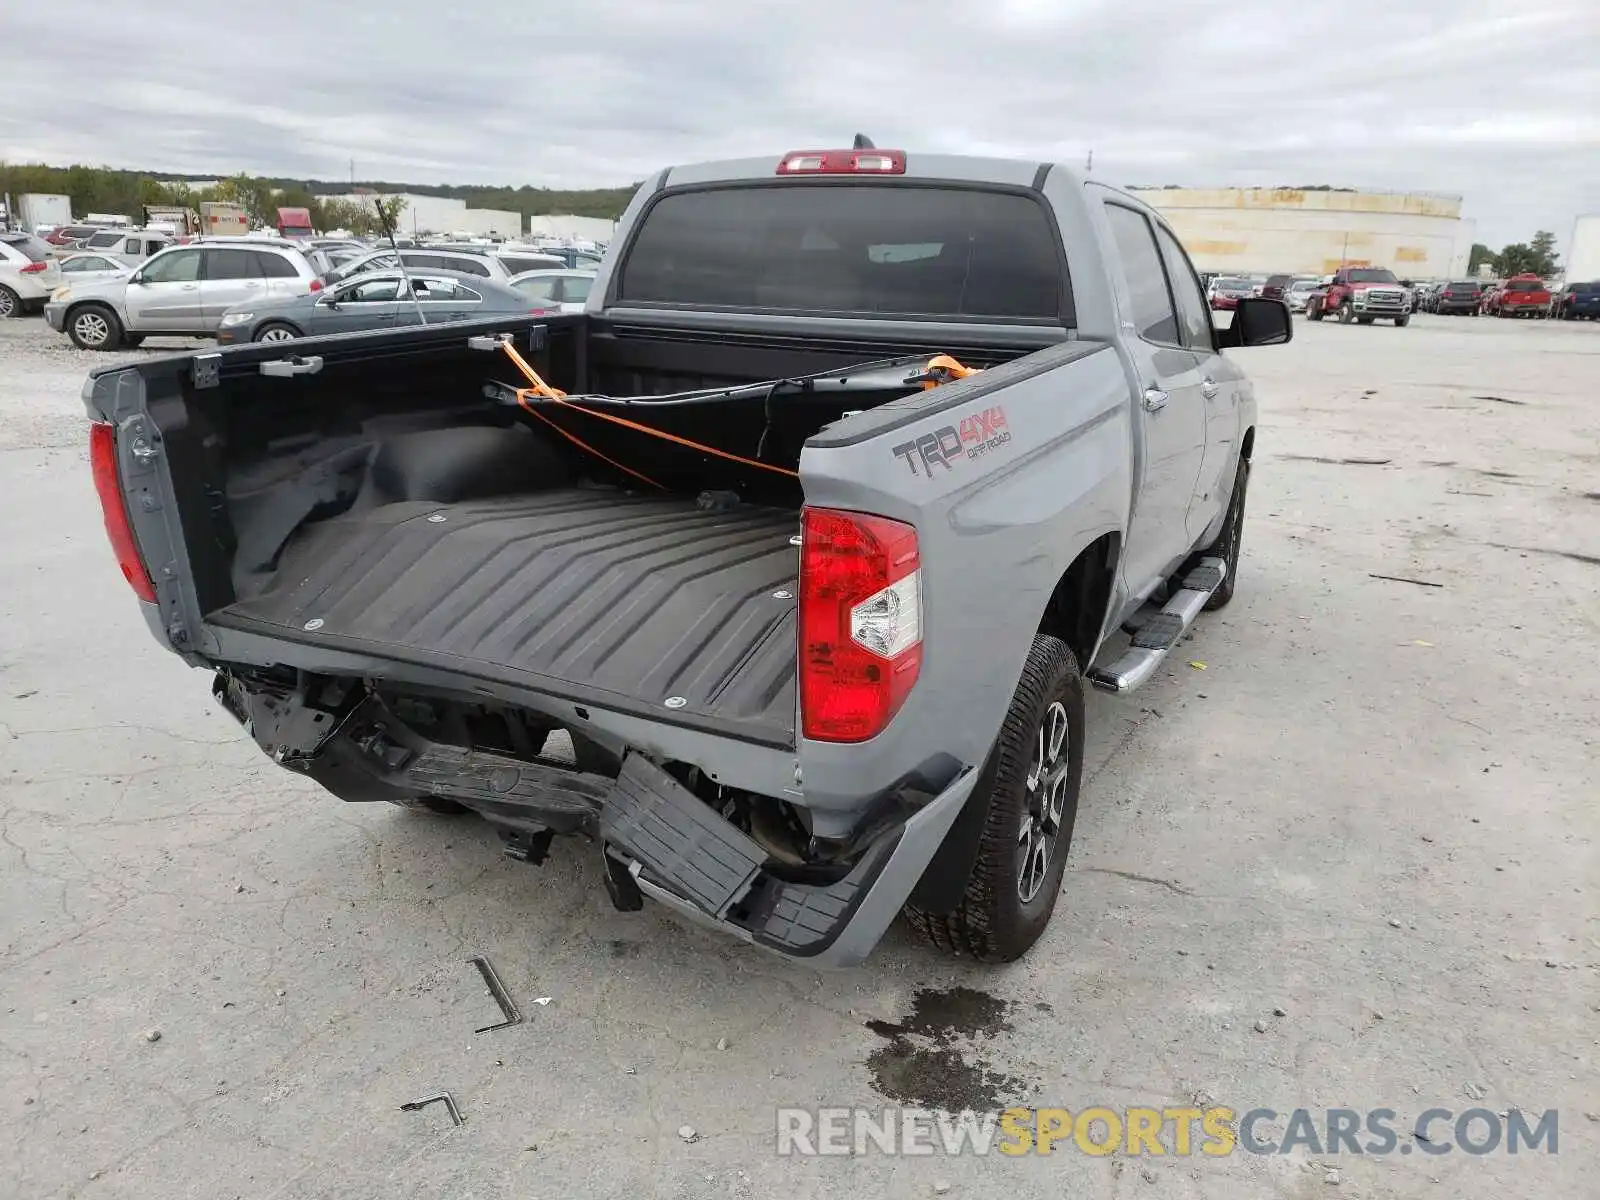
[843,162]
[34,268]
[860,622]
[316,285]
[103,460]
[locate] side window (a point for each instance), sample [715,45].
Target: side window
[432,289]
[537,289]
[1153,314]
[1194,314]
[372,291]
[575,290]
[133,246]
[181,266]
[231,264]
[273,266]
[468,266]
[464,294]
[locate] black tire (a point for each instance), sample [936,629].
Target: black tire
[439,806]
[1401,322]
[1365,320]
[132,340]
[995,921]
[1229,540]
[10,303]
[1313,312]
[94,327]
[1347,313]
[277,331]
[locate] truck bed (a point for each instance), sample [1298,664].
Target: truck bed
[590,594]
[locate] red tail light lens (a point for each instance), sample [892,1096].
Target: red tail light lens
[860,620]
[103,459]
[33,268]
[316,285]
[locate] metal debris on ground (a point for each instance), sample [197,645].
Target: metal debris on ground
[441,1097]
[1403,579]
[513,1015]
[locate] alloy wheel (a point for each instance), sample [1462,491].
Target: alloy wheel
[92,328]
[1046,790]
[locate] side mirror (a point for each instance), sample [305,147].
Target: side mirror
[1258,322]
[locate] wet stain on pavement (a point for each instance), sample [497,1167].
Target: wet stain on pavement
[934,1057]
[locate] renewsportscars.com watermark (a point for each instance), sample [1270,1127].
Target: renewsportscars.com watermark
[1180,1132]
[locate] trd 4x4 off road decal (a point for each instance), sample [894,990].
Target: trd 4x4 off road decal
[976,436]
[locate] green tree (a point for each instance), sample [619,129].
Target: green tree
[1516,259]
[1546,262]
[1480,255]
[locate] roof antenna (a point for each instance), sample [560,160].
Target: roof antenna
[863,142]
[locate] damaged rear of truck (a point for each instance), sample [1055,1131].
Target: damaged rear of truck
[776,575]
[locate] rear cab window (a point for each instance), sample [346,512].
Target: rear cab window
[876,248]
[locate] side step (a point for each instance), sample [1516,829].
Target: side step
[1161,632]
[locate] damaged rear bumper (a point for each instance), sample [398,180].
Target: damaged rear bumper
[659,839]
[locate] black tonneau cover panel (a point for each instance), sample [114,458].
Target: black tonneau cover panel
[590,594]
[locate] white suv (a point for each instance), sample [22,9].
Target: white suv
[28,274]
[182,291]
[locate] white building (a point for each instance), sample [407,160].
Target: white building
[421,214]
[1582,259]
[572,229]
[1416,235]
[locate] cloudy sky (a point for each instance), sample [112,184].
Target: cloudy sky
[1495,101]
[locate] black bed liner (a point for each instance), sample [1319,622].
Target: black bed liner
[593,595]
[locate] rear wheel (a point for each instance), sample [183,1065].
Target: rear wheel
[1032,780]
[1313,312]
[94,327]
[10,303]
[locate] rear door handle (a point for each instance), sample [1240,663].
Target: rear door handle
[1208,388]
[1154,399]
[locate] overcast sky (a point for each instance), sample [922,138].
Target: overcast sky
[1498,102]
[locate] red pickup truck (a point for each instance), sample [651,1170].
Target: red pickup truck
[1361,294]
[1521,296]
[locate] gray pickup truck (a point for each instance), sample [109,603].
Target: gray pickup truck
[779,574]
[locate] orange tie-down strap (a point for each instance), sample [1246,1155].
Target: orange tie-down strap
[941,368]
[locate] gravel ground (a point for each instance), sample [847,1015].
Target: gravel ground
[1351,862]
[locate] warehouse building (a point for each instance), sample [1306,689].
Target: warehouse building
[444,214]
[1417,235]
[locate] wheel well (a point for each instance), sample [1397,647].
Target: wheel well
[1077,608]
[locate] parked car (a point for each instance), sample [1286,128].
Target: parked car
[1228,290]
[484,266]
[1522,296]
[1299,291]
[1462,296]
[570,257]
[854,682]
[91,268]
[28,274]
[1578,300]
[374,300]
[182,291]
[567,289]
[128,247]
[520,262]
[68,237]
[1363,294]
[1277,287]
